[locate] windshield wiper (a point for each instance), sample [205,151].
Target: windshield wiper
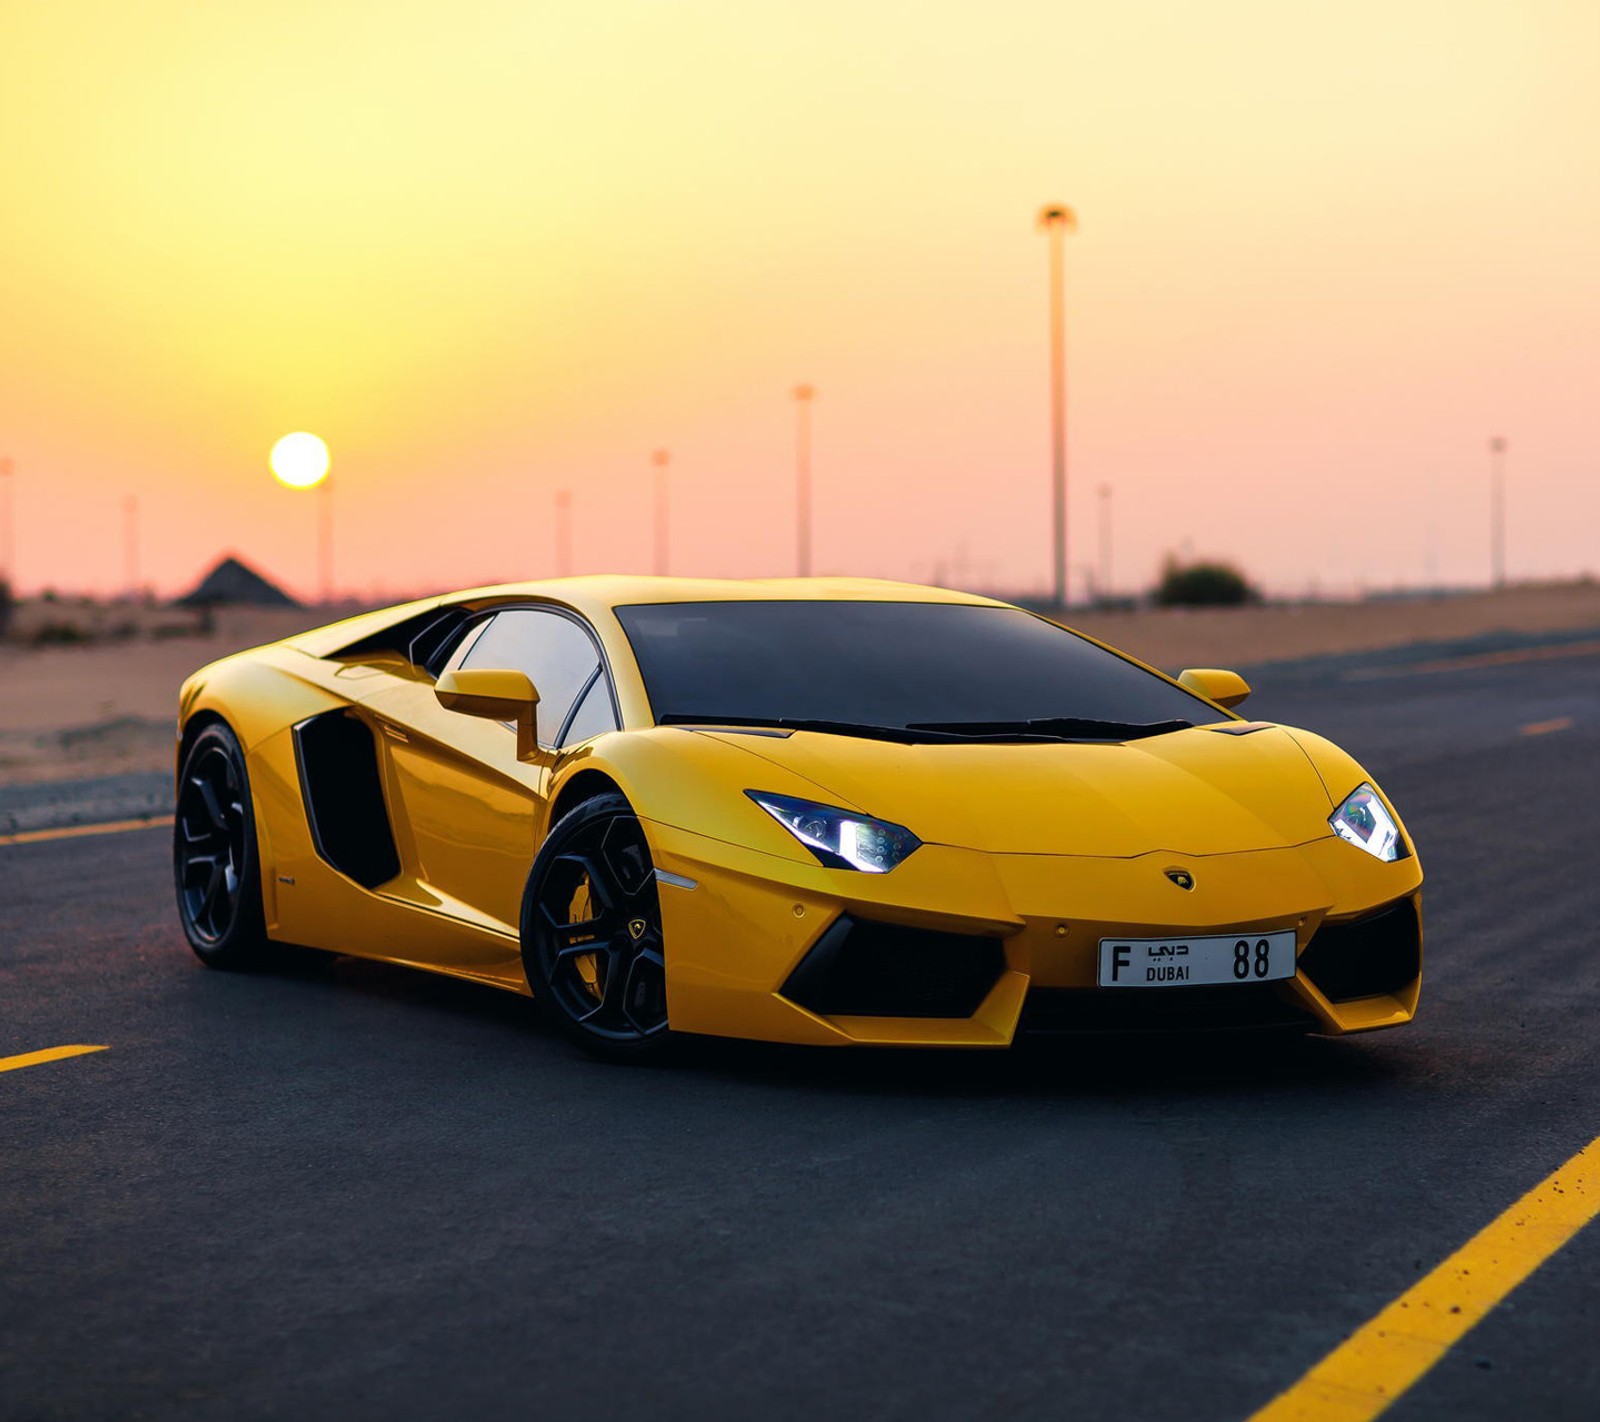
[1051,728]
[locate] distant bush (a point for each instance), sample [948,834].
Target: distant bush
[166,631]
[60,634]
[7,602]
[1203,585]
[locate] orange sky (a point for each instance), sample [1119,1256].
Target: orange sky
[491,250]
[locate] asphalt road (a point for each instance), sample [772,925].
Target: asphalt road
[349,1191]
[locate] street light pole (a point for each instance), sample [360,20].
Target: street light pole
[1103,580]
[301,461]
[1497,510]
[661,458]
[8,530]
[1056,221]
[325,539]
[130,547]
[563,533]
[803,396]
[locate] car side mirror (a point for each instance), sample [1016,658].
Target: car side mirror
[1226,688]
[497,696]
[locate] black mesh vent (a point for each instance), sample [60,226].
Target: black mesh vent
[1371,956]
[859,968]
[1181,1009]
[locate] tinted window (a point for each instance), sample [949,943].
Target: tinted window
[885,664]
[594,714]
[557,654]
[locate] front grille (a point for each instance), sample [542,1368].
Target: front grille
[1365,958]
[861,968]
[1181,1009]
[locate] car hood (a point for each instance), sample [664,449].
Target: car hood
[1201,791]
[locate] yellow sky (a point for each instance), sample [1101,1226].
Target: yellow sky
[489,251]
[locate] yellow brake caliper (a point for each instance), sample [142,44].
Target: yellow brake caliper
[580,910]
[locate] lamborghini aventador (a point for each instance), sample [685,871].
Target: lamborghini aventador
[809,811]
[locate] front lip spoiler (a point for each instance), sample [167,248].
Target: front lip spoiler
[1175,1011]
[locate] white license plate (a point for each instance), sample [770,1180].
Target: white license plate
[1181,962]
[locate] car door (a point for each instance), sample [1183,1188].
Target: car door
[466,807]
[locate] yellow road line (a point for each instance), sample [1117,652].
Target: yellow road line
[79,831]
[1543,728]
[1383,1358]
[49,1054]
[1558,651]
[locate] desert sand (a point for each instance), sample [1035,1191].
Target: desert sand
[1174,638]
[107,707]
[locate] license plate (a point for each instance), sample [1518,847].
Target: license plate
[1182,962]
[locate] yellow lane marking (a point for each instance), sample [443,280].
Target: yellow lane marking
[79,831]
[49,1054]
[1383,1358]
[1543,728]
[1556,652]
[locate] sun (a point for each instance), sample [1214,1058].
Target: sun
[300,460]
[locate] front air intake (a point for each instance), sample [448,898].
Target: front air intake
[1365,957]
[861,968]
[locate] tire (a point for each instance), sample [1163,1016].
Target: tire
[591,934]
[216,867]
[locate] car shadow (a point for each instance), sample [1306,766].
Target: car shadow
[1106,1065]
[1125,1066]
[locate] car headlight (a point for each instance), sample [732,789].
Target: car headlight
[1364,822]
[841,839]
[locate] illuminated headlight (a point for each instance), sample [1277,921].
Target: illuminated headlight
[1364,822]
[841,839]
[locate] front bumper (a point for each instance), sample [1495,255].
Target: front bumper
[745,943]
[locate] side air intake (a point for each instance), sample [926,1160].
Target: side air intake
[343,793]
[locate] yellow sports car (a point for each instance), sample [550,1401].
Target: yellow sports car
[818,811]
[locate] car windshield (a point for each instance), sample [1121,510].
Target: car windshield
[917,671]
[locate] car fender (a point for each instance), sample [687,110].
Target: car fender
[258,693]
[1341,773]
[686,780]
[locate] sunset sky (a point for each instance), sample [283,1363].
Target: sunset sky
[488,251]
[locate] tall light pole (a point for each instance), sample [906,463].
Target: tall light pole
[8,528]
[661,458]
[1103,577]
[325,540]
[1056,221]
[803,396]
[301,461]
[130,547]
[563,533]
[1497,510]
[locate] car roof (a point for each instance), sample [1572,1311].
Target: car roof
[596,595]
[606,591]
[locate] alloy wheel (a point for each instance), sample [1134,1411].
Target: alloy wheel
[597,931]
[211,843]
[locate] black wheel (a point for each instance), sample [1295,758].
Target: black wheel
[591,933]
[214,860]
